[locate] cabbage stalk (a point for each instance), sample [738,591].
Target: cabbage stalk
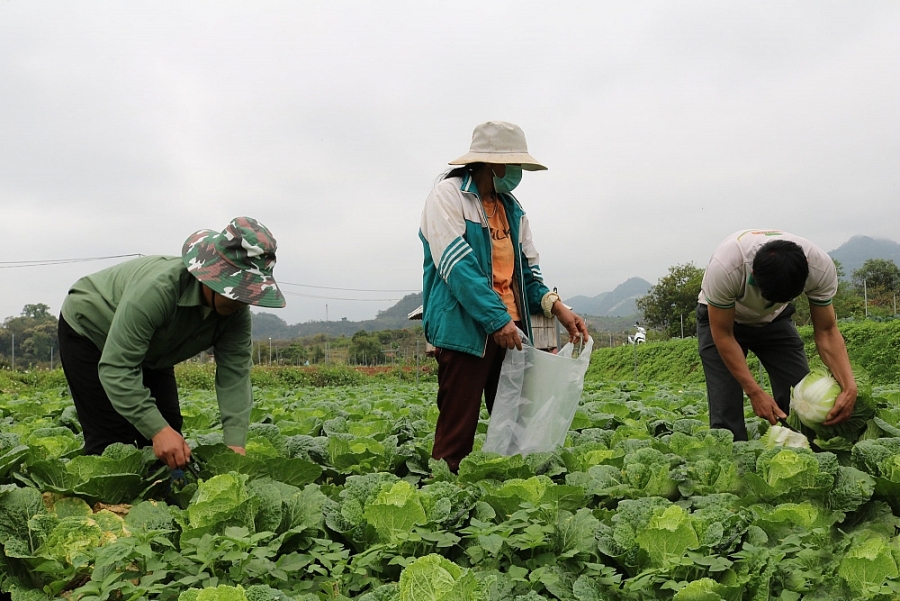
[813,397]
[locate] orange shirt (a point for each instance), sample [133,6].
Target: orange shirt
[503,257]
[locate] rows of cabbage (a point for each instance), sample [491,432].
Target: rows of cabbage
[337,498]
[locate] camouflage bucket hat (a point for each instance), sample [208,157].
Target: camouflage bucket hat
[237,262]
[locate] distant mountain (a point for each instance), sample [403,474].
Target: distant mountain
[269,325]
[855,251]
[617,303]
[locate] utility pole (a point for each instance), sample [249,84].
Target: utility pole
[634,351]
[14,351]
[865,298]
[270,351]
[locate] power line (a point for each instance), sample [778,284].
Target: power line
[45,262]
[364,300]
[280,283]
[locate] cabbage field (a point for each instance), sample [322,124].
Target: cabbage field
[337,499]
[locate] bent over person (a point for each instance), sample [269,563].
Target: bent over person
[745,304]
[482,280]
[123,329]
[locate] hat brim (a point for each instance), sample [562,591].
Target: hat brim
[528,162]
[203,261]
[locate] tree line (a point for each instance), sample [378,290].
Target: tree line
[383,347]
[29,340]
[871,292]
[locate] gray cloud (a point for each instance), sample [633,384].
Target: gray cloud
[666,126]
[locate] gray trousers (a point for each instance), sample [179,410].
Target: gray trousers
[779,348]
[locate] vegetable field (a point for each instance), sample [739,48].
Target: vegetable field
[337,499]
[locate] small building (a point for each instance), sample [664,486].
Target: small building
[543,332]
[416,315]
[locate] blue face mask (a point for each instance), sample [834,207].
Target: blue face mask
[508,182]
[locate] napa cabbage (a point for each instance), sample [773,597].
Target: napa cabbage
[436,578]
[778,436]
[813,397]
[811,400]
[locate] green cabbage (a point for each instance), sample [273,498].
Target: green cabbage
[811,400]
[813,397]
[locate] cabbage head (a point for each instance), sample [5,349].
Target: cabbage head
[811,400]
[813,397]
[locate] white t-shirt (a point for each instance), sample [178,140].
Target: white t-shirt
[728,281]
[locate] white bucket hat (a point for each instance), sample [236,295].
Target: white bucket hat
[500,143]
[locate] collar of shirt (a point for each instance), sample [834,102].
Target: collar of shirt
[193,297]
[468,184]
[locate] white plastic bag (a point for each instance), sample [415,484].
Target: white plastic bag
[536,401]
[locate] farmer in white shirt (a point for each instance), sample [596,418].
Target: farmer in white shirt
[745,304]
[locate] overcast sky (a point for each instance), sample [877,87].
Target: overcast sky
[126,126]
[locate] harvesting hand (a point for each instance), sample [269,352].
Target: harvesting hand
[765,407]
[573,324]
[508,336]
[170,448]
[843,407]
[238,450]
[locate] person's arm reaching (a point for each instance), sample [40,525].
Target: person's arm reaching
[721,324]
[834,355]
[574,325]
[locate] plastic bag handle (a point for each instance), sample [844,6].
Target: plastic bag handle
[524,337]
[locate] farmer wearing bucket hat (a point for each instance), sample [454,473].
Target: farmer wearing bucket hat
[123,329]
[482,280]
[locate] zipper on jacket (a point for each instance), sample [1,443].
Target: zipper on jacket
[526,319]
[490,276]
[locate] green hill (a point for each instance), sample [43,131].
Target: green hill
[874,348]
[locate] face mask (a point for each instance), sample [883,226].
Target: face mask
[508,182]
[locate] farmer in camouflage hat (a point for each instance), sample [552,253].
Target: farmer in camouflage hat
[123,329]
[237,263]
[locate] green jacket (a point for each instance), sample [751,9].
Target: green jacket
[460,307]
[148,312]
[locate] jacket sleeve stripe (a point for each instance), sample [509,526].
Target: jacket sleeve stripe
[454,253]
[454,248]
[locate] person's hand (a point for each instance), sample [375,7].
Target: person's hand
[238,450]
[843,407]
[765,407]
[170,448]
[508,336]
[573,324]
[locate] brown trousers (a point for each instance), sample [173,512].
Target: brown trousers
[462,380]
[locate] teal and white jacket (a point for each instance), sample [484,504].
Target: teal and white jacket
[460,307]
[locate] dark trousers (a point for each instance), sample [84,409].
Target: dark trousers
[101,423]
[462,380]
[777,345]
